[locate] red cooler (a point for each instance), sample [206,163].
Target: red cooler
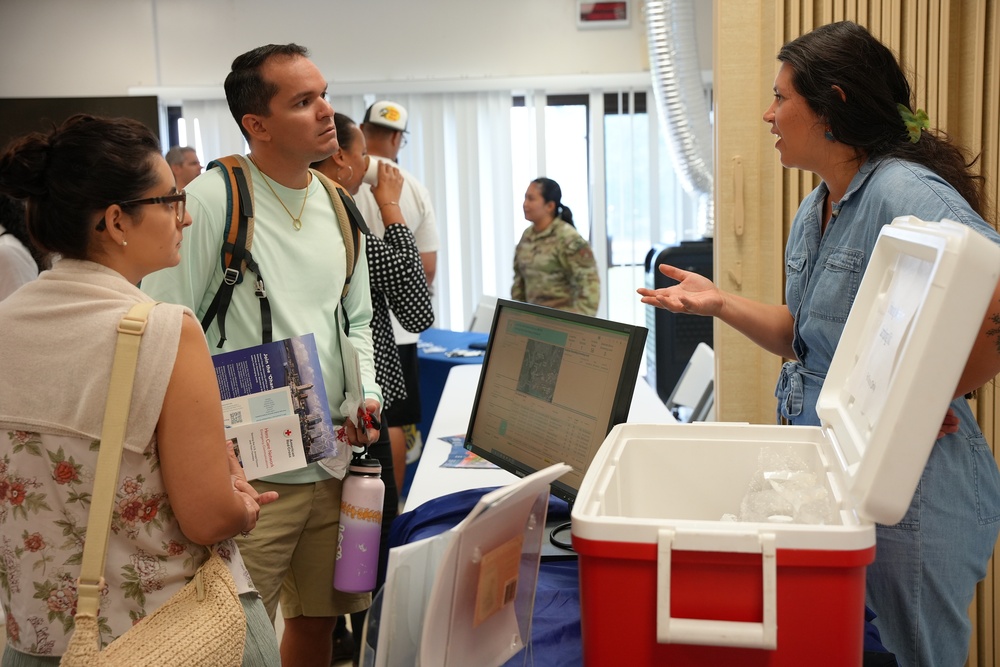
[668,578]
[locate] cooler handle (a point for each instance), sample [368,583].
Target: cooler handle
[708,632]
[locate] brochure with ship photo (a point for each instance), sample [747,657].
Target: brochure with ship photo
[274,405]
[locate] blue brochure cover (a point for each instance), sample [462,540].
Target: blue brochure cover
[274,405]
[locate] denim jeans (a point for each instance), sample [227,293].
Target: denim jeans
[926,566]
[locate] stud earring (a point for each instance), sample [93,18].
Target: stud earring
[124,243]
[829,135]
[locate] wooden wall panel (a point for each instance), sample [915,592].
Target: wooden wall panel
[973,38]
[746,258]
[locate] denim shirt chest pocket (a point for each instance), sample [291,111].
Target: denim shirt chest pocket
[832,289]
[795,279]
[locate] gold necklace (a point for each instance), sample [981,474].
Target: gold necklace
[296,221]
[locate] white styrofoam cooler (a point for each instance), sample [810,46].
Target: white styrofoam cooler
[665,581]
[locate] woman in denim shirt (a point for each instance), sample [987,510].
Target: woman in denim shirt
[842,109]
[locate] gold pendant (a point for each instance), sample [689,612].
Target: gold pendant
[297,224]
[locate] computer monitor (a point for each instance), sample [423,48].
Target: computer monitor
[553,384]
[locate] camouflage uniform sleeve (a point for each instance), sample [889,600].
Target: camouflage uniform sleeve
[517,288]
[585,279]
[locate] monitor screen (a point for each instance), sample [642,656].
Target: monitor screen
[553,385]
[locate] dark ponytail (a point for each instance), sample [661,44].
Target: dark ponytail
[551,192]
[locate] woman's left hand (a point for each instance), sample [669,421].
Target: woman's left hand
[949,425]
[252,500]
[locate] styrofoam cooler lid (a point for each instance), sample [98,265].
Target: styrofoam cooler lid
[911,328]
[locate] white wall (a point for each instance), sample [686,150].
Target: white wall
[68,48]
[182,49]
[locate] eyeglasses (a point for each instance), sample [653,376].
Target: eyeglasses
[178,201]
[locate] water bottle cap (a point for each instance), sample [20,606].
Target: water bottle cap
[366,466]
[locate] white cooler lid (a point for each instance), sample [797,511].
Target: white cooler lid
[906,341]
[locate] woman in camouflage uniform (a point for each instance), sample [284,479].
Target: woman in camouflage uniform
[553,264]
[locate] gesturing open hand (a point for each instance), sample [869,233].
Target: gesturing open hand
[693,293]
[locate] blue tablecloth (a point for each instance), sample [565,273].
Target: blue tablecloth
[434,367]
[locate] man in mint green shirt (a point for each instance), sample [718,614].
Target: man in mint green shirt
[278,97]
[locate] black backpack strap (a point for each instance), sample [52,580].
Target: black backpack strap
[236,244]
[354,229]
[357,220]
[358,224]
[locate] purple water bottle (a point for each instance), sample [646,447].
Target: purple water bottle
[360,527]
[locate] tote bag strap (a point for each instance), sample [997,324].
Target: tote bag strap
[109,458]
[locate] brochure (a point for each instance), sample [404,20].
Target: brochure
[275,407]
[460,457]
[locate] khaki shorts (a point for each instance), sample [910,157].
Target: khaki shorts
[291,552]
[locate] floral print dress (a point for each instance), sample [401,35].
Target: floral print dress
[46,482]
[60,332]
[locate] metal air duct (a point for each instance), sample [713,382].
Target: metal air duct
[680,100]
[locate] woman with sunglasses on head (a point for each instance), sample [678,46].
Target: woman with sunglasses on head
[99,193]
